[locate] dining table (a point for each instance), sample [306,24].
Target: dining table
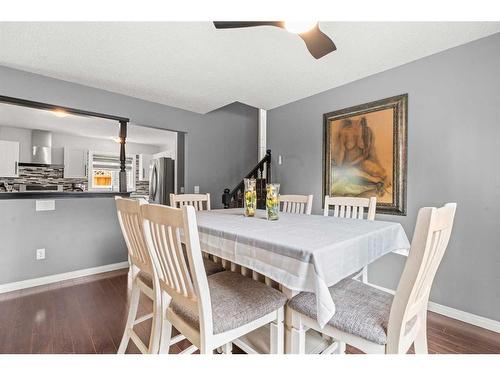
[299,252]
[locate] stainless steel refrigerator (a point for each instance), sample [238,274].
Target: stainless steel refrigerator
[161,180]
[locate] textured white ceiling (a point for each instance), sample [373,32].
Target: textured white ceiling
[29,118]
[193,66]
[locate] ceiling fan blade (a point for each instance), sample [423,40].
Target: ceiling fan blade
[239,24]
[317,42]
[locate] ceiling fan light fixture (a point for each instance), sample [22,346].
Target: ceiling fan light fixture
[299,27]
[317,42]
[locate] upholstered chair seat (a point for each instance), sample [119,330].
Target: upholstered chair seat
[236,301]
[360,309]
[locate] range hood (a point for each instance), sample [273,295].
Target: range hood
[41,147]
[41,150]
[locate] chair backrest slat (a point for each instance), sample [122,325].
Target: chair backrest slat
[296,204]
[161,254]
[180,272]
[166,238]
[183,267]
[430,240]
[200,202]
[130,219]
[350,207]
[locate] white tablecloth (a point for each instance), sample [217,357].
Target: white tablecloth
[301,252]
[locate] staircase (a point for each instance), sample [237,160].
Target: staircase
[262,173]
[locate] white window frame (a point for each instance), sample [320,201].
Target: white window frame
[131,185]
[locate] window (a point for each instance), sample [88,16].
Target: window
[104,171]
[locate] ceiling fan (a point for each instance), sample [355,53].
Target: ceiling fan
[317,42]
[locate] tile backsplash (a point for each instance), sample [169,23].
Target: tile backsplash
[45,176]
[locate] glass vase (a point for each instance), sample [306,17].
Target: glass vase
[272,201]
[250,196]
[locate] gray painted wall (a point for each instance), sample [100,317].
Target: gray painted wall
[221,147]
[453,144]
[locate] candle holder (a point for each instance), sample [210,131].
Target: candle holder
[272,201]
[250,196]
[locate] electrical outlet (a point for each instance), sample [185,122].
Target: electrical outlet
[182,189]
[40,254]
[197,190]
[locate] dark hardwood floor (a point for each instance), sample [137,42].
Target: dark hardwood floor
[88,316]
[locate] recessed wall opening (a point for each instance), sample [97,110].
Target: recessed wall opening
[64,150]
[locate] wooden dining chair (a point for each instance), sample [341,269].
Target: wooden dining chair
[130,219]
[200,202]
[352,208]
[373,320]
[211,311]
[296,204]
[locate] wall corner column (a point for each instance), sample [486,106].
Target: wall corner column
[262,141]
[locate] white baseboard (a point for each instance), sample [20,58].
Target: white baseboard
[464,316]
[10,287]
[480,321]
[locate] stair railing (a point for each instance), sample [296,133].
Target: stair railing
[230,198]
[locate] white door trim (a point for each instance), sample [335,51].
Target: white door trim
[262,141]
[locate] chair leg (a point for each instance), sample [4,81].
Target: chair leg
[155,336]
[206,350]
[341,347]
[228,348]
[297,333]
[166,334]
[298,341]
[420,342]
[364,275]
[278,334]
[132,313]
[166,326]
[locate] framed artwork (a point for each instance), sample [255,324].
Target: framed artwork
[365,151]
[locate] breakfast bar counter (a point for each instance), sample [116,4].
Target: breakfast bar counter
[60,194]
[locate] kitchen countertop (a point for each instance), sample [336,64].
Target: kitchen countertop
[60,194]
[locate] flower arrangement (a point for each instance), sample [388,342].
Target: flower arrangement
[272,201]
[250,196]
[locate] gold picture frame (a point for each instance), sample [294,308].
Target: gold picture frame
[365,153]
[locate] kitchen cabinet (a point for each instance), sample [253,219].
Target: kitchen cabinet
[75,163]
[9,159]
[144,166]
